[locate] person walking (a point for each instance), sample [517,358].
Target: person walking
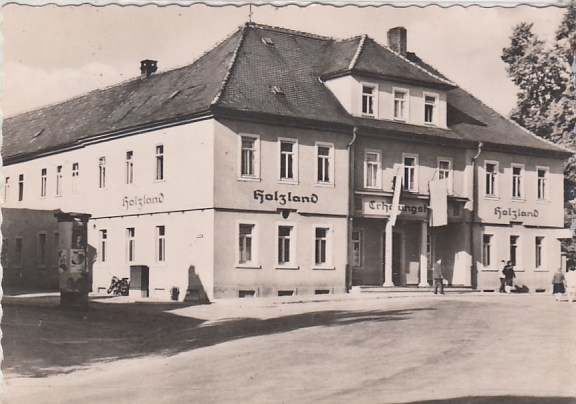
[558,281]
[509,276]
[438,277]
[570,279]
[502,277]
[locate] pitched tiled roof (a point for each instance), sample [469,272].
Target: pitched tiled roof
[262,70]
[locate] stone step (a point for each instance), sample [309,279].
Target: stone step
[409,289]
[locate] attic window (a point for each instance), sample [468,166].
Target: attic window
[277,90]
[38,133]
[174,94]
[267,41]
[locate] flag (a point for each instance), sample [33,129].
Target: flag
[396,198]
[438,203]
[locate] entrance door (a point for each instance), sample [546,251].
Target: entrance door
[139,280]
[397,248]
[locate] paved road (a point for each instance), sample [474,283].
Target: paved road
[456,349]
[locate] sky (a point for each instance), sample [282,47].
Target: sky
[53,53]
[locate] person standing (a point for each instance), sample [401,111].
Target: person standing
[570,279]
[438,276]
[502,277]
[509,276]
[558,284]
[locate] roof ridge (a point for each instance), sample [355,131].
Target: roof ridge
[414,64]
[230,67]
[358,51]
[289,31]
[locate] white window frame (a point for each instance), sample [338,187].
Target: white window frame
[255,253]
[517,182]
[75,177]
[518,252]
[436,96]
[450,182]
[406,104]
[103,244]
[357,263]
[159,173]
[491,253]
[496,175]
[20,187]
[43,182]
[329,158]
[540,254]
[329,253]
[255,176]
[543,194]
[378,184]
[129,167]
[294,153]
[292,264]
[373,97]
[102,172]
[160,244]
[6,189]
[130,244]
[59,180]
[416,158]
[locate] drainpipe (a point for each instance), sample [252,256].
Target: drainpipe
[473,217]
[349,216]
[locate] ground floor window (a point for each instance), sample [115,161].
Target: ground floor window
[539,241]
[321,246]
[160,243]
[245,243]
[487,250]
[103,244]
[357,248]
[286,244]
[131,244]
[514,249]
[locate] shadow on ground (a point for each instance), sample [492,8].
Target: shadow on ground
[501,400]
[41,339]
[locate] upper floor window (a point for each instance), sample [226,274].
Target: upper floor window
[517,181]
[372,169]
[325,165]
[491,179]
[43,182]
[129,167]
[369,99]
[445,173]
[288,160]
[249,157]
[430,104]
[59,181]
[21,187]
[542,183]
[410,180]
[102,172]
[400,104]
[6,188]
[159,162]
[160,243]
[75,177]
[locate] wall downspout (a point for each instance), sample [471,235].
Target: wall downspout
[473,218]
[349,216]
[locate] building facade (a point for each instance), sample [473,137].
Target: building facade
[250,173]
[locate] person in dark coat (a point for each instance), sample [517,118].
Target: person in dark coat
[438,277]
[502,277]
[509,276]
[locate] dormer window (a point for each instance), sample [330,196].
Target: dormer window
[369,100]
[400,104]
[430,103]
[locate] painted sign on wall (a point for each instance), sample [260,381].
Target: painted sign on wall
[138,202]
[282,199]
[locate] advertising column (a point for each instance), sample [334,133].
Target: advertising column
[74,266]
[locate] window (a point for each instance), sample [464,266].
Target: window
[103,245]
[21,187]
[6,188]
[356,248]
[430,109]
[43,174]
[129,167]
[102,172]
[517,181]
[245,243]
[321,246]
[372,169]
[75,177]
[41,253]
[288,160]
[159,162]
[368,100]
[514,249]
[324,166]
[542,184]
[250,157]
[539,241]
[410,180]
[55,248]
[400,104]
[18,252]
[285,245]
[491,179]
[59,181]
[445,173]
[160,243]
[131,244]
[487,250]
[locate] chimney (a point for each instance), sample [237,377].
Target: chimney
[147,68]
[397,40]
